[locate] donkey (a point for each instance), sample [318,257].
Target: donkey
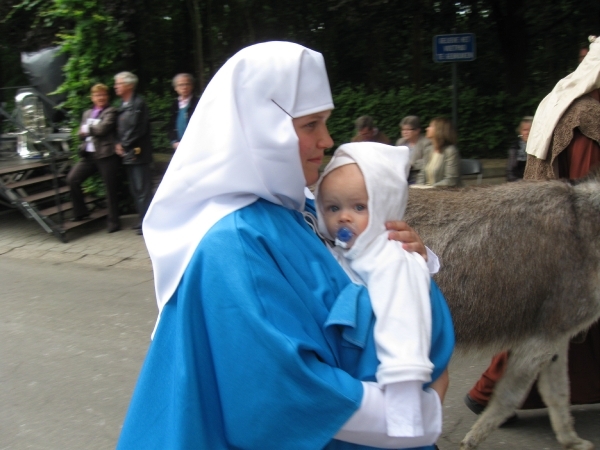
[520,272]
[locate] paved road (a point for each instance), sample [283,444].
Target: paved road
[75,321]
[73,337]
[88,245]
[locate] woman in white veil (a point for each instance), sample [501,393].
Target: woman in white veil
[262,340]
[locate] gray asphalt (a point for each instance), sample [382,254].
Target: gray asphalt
[75,322]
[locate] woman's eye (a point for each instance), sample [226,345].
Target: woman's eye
[311,125]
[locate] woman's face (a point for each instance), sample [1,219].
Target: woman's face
[314,140]
[410,134]
[100,99]
[525,128]
[430,131]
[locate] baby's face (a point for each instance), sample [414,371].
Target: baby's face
[343,198]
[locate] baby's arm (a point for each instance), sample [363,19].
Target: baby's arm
[441,384]
[398,284]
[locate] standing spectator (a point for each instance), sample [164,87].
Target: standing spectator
[97,152]
[183,107]
[410,127]
[134,143]
[441,164]
[366,131]
[517,156]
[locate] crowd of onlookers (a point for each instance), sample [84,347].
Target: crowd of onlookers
[115,137]
[112,137]
[434,158]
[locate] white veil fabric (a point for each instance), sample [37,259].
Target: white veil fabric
[585,79]
[240,145]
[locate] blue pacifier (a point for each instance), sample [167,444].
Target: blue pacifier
[343,236]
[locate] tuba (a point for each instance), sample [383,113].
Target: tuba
[30,113]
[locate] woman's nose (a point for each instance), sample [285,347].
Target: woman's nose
[325,142]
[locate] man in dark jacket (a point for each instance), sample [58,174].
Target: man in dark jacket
[182,108]
[134,142]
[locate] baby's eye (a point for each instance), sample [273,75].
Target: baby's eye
[360,207]
[333,208]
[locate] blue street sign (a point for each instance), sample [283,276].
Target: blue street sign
[454,47]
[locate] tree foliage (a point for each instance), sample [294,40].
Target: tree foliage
[93,39]
[378,52]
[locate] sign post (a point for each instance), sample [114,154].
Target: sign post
[454,48]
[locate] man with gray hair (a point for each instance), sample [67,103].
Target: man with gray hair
[182,108]
[134,142]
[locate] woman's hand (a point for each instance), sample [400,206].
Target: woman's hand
[84,131]
[441,385]
[401,232]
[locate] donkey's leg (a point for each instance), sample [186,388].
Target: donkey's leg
[524,364]
[553,384]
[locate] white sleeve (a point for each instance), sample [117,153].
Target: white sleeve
[398,282]
[399,292]
[368,425]
[433,262]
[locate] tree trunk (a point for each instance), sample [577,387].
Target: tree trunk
[196,16]
[208,39]
[249,22]
[417,43]
[513,38]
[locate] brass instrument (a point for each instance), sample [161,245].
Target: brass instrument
[30,112]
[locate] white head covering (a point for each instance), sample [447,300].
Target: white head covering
[385,170]
[240,145]
[585,79]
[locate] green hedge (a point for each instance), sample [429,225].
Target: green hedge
[159,98]
[486,124]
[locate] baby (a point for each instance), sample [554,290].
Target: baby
[363,186]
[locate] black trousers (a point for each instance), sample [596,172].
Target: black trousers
[109,171]
[140,186]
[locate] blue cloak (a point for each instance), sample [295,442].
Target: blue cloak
[262,345]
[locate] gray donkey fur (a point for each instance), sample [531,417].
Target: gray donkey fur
[520,271]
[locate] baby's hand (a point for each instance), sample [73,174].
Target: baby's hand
[401,232]
[441,385]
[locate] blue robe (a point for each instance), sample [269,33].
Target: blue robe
[262,345]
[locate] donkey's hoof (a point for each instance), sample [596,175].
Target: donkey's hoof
[467,444]
[580,444]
